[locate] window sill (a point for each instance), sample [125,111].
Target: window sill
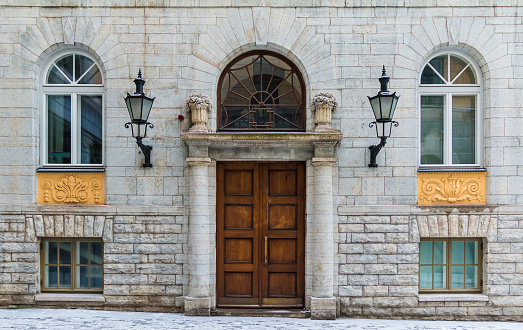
[451,169]
[69,298]
[70,170]
[452,297]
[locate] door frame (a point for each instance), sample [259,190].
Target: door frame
[262,235]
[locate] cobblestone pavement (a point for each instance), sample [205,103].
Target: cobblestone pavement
[89,319]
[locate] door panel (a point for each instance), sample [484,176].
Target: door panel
[260,234]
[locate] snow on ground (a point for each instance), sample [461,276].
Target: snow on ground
[91,319]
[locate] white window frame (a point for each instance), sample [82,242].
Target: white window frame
[73,90]
[448,90]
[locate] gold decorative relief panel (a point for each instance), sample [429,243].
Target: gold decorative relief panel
[452,187]
[71,188]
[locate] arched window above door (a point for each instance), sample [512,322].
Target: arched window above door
[261,91]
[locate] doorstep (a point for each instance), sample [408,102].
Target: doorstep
[262,312]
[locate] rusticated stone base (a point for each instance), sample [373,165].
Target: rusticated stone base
[323,308]
[197,306]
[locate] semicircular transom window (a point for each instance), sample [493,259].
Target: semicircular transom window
[74,69]
[448,69]
[261,91]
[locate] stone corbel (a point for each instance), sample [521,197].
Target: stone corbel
[199,106]
[323,105]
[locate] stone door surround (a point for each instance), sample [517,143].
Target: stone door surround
[318,149]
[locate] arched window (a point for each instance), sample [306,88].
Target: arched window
[72,133]
[263,91]
[450,98]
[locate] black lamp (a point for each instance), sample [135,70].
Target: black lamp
[139,107]
[383,106]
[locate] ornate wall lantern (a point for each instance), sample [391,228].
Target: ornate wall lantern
[139,107]
[383,106]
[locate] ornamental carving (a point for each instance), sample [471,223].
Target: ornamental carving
[198,105]
[451,188]
[71,188]
[323,105]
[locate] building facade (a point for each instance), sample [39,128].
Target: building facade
[260,193]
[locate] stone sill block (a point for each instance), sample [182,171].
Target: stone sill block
[414,209]
[92,209]
[452,297]
[63,297]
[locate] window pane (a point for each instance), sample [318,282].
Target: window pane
[440,277]
[82,253]
[425,277]
[65,253]
[90,108]
[82,277]
[464,129]
[51,255]
[51,276]
[93,76]
[471,252]
[65,276]
[425,253]
[56,77]
[261,92]
[471,279]
[66,66]
[440,64]
[458,253]
[59,129]
[440,253]
[96,277]
[432,108]
[467,77]
[96,253]
[456,65]
[430,77]
[458,277]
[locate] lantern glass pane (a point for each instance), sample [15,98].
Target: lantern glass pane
[375,104]
[393,108]
[147,105]
[136,108]
[386,105]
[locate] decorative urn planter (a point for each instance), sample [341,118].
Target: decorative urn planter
[199,105]
[323,105]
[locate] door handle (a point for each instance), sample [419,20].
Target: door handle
[266,250]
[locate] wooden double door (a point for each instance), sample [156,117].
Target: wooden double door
[260,234]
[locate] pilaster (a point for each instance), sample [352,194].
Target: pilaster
[199,262]
[320,238]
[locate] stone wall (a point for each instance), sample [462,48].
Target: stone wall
[378,259]
[143,254]
[339,46]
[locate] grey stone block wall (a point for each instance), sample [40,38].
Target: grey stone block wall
[379,254]
[340,46]
[143,255]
